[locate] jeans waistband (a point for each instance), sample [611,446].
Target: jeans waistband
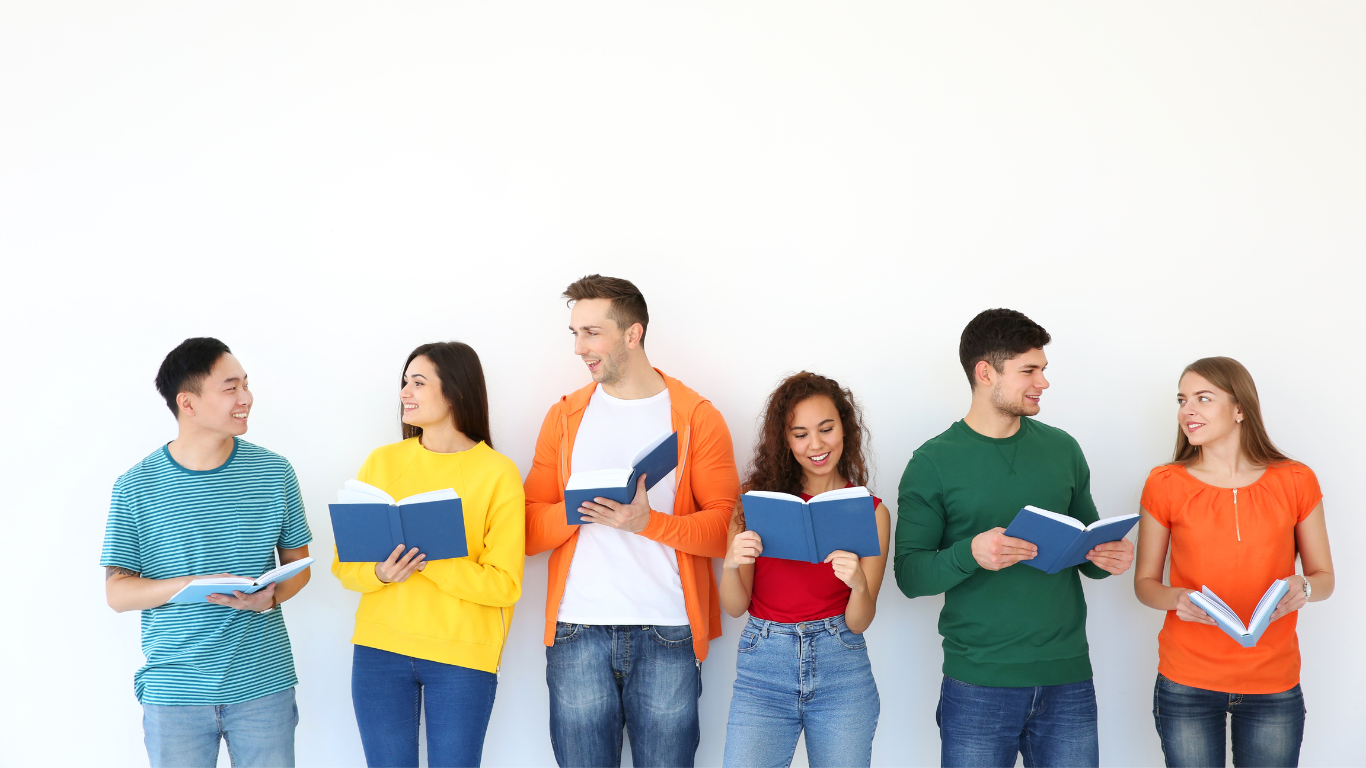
[830,626]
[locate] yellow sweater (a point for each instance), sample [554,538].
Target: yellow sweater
[455,611]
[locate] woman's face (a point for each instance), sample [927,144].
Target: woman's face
[1205,413]
[423,404]
[816,435]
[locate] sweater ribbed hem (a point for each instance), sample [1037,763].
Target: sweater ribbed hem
[455,652]
[1051,672]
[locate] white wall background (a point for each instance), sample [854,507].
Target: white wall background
[833,187]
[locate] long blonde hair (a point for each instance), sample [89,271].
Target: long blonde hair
[1230,376]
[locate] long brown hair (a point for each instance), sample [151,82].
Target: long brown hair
[462,384]
[1229,375]
[773,467]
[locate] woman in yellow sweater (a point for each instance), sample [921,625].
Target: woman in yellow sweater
[437,628]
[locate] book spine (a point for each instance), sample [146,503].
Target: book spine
[813,554]
[396,528]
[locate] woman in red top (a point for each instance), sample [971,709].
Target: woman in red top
[1233,512]
[803,663]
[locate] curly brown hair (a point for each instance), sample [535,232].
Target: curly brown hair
[773,467]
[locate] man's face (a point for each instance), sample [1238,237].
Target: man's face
[1015,391]
[602,346]
[223,402]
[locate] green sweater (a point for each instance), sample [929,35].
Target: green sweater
[1016,627]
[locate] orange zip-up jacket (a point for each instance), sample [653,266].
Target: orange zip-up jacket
[708,485]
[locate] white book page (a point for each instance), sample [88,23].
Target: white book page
[653,445]
[856,492]
[223,580]
[775,495]
[1108,520]
[441,495]
[293,565]
[1212,604]
[1266,604]
[598,478]
[1072,521]
[356,492]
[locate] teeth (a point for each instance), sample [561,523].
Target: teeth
[821,457]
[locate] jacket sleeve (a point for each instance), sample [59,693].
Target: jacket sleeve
[495,577]
[545,523]
[922,568]
[715,484]
[357,577]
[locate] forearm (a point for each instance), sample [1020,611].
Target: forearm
[859,613]
[702,533]
[1093,571]
[290,587]
[546,527]
[1321,583]
[494,585]
[735,595]
[921,572]
[1154,594]
[357,577]
[135,593]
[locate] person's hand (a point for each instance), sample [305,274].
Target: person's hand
[847,568]
[994,550]
[1114,557]
[744,548]
[395,568]
[1293,600]
[1188,611]
[261,600]
[631,518]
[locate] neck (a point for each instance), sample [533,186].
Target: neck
[444,438]
[199,449]
[817,484]
[638,381]
[986,419]
[1224,458]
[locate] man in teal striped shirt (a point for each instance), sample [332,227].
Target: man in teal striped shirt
[209,504]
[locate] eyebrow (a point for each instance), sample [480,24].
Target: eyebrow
[586,328]
[413,376]
[823,423]
[231,379]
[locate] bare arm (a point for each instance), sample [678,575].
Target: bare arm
[737,572]
[866,580]
[1311,539]
[1151,558]
[127,590]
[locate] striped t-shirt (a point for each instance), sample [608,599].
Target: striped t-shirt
[167,521]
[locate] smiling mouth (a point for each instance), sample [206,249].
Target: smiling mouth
[409,407]
[819,459]
[1191,426]
[242,415]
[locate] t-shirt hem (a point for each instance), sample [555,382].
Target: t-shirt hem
[217,702]
[1025,675]
[653,621]
[1256,688]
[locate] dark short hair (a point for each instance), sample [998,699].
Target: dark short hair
[462,384]
[996,336]
[628,303]
[185,368]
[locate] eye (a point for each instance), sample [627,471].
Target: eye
[1204,398]
[827,429]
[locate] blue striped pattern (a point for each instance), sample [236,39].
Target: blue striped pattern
[167,521]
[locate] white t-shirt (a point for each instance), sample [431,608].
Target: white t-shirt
[618,577]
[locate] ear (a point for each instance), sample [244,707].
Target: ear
[633,335]
[1238,414]
[982,373]
[185,404]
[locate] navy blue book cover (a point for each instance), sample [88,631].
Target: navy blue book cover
[661,459]
[367,533]
[791,529]
[1063,544]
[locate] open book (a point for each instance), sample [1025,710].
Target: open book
[368,524]
[1227,619]
[655,461]
[792,529]
[198,591]
[1062,540]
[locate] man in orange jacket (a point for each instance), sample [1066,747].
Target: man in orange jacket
[632,600]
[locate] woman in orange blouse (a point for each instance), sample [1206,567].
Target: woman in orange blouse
[1234,512]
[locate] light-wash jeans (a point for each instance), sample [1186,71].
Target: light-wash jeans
[259,733]
[812,676]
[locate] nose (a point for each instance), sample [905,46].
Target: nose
[1042,382]
[580,348]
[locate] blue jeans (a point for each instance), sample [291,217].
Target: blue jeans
[813,675]
[387,692]
[259,732]
[603,678]
[984,726]
[1267,727]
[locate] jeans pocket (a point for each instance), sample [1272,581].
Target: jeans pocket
[565,633]
[672,637]
[852,640]
[749,640]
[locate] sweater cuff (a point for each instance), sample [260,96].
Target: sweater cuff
[962,553]
[369,582]
[655,528]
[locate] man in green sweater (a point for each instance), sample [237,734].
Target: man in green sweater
[1017,677]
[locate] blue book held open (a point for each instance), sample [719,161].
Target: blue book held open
[368,524]
[1062,540]
[1227,619]
[655,461]
[792,529]
[198,591]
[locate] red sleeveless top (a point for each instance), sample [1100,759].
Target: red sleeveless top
[790,591]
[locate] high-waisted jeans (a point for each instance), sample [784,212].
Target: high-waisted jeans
[812,676]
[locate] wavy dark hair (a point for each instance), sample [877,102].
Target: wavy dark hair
[773,467]
[462,384]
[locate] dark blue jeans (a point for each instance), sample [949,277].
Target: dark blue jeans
[1267,727]
[986,727]
[606,678]
[387,692]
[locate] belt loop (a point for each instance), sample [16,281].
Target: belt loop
[764,634]
[832,627]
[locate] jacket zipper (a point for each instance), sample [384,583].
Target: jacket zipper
[1236,529]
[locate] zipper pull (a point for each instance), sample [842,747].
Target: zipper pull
[1236,529]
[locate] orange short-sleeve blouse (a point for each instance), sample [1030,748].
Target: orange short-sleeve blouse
[1237,553]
